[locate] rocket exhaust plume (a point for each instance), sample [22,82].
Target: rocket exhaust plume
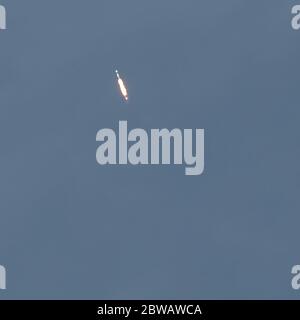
[122,86]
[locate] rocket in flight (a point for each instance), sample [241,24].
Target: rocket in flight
[122,86]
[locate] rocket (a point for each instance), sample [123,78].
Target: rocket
[122,86]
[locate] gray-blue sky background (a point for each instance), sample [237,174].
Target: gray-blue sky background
[70,228]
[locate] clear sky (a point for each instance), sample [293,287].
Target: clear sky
[70,228]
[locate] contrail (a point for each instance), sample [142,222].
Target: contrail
[122,86]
